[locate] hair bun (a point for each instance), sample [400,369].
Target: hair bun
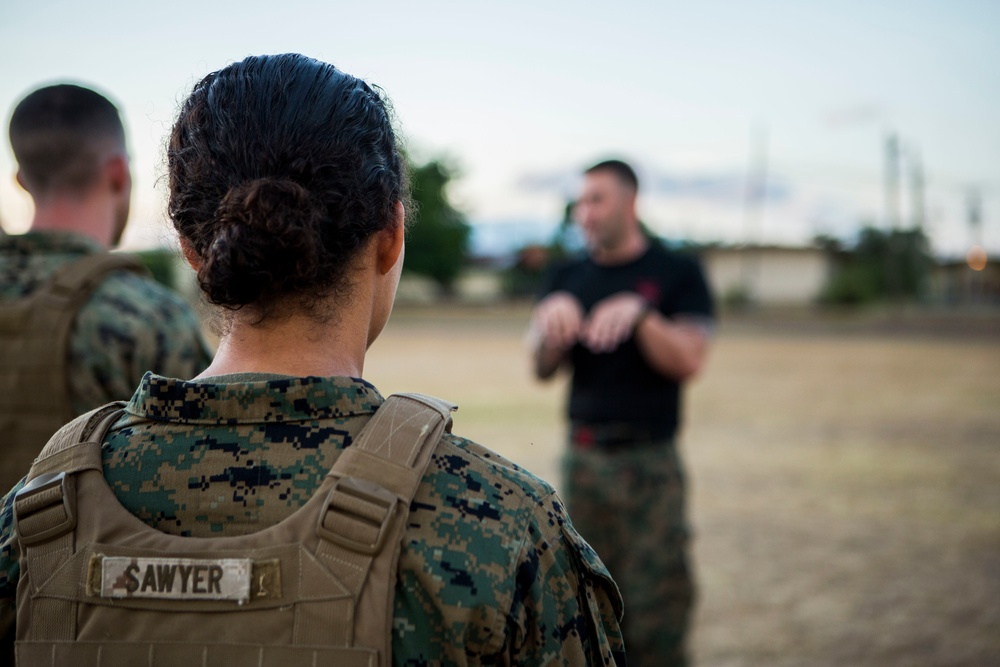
[267,235]
[256,201]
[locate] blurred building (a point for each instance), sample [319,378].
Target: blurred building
[973,281]
[766,274]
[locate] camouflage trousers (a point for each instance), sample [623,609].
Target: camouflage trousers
[628,503]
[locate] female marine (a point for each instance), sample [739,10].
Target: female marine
[289,194]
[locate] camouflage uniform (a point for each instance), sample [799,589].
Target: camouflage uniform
[630,505]
[491,569]
[128,325]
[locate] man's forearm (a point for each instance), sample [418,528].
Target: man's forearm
[676,349]
[548,359]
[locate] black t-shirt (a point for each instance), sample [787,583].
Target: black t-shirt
[620,386]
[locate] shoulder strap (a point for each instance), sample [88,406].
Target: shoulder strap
[85,274]
[35,351]
[400,426]
[67,449]
[45,508]
[58,304]
[361,525]
[384,466]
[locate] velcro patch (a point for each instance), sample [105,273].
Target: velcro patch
[176,578]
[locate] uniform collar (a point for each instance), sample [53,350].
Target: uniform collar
[50,242]
[251,399]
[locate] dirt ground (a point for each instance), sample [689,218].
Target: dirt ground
[845,474]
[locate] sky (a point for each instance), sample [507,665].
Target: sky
[791,101]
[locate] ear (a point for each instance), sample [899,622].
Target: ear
[190,255]
[119,176]
[390,241]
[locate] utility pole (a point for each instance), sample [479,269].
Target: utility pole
[917,191]
[891,181]
[974,214]
[891,215]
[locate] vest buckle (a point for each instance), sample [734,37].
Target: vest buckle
[45,508]
[356,515]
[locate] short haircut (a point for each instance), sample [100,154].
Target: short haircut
[60,134]
[620,169]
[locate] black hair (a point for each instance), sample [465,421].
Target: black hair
[622,170]
[280,169]
[60,134]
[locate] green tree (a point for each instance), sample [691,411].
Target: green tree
[438,238]
[160,263]
[881,265]
[524,277]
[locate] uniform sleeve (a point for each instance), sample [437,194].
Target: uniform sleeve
[566,608]
[131,325]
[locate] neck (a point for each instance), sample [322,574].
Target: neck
[87,215]
[630,247]
[297,344]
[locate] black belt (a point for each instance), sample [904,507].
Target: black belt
[621,435]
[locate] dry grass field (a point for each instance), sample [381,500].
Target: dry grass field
[845,475]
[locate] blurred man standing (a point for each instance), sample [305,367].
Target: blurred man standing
[632,321]
[79,326]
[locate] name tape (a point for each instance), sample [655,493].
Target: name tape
[176,578]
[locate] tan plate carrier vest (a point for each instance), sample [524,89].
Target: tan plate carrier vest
[100,587]
[34,354]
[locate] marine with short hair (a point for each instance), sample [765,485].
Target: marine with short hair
[78,326]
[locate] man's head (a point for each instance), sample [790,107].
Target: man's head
[605,210]
[69,141]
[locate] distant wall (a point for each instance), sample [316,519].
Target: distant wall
[956,283]
[767,275]
[770,276]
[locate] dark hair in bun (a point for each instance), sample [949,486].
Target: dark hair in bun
[281,168]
